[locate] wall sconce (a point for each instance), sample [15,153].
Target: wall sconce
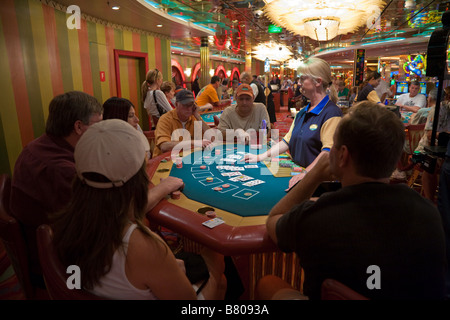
[211,72]
[187,72]
[228,73]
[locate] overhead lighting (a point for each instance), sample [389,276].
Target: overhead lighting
[159,25]
[322,29]
[322,20]
[275,52]
[294,63]
[114,6]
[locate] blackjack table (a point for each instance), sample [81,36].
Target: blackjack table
[241,206]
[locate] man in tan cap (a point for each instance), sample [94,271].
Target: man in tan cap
[184,116]
[245,115]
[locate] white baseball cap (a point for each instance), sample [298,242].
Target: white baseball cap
[112,148]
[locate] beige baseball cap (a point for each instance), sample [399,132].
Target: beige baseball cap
[112,148]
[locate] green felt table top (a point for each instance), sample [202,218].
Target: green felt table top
[237,198]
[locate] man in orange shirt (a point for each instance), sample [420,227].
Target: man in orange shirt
[207,97]
[183,116]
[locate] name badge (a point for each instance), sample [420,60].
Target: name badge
[313,127]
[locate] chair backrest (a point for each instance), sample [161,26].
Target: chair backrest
[414,133]
[335,290]
[151,139]
[216,121]
[155,121]
[54,272]
[13,239]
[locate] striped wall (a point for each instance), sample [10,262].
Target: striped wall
[40,58]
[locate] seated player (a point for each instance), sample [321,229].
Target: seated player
[411,102]
[382,240]
[102,231]
[45,169]
[208,97]
[121,108]
[185,114]
[245,115]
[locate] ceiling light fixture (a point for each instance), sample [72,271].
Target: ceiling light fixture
[275,52]
[321,20]
[113,5]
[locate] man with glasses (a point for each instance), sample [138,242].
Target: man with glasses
[45,169]
[183,116]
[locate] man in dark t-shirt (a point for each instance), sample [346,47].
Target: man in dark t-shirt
[383,241]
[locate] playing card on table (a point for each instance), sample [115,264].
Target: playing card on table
[241,178]
[213,222]
[251,166]
[253,183]
[231,174]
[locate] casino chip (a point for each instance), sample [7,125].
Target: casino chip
[217,189]
[202,167]
[210,214]
[209,179]
[226,186]
[248,194]
[175,195]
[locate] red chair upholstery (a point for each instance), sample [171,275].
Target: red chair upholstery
[216,121]
[14,243]
[335,290]
[155,121]
[151,140]
[54,272]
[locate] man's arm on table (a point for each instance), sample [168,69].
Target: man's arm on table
[158,192]
[301,192]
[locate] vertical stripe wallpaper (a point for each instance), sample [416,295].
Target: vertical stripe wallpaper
[40,58]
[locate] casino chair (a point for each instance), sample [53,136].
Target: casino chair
[216,121]
[13,241]
[335,290]
[151,140]
[55,275]
[414,133]
[155,121]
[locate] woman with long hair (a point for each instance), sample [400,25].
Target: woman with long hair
[123,109]
[155,102]
[102,230]
[311,132]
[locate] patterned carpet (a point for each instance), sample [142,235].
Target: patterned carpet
[284,121]
[9,285]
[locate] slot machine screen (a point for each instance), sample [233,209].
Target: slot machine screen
[423,88]
[402,87]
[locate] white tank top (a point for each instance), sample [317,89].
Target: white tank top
[115,284]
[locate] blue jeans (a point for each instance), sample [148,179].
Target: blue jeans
[444,209]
